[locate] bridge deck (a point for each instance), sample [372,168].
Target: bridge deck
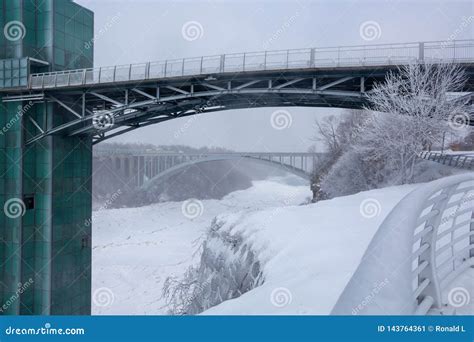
[109,101]
[461,51]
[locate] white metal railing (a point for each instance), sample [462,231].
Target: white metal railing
[462,161]
[159,153]
[326,57]
[425,243]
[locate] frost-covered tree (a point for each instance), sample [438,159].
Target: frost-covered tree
[418,106]
[408,113]
[336,134]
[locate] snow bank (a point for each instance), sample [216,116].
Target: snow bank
[136,249]
[306,254]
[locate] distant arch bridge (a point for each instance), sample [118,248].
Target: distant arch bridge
[142,167]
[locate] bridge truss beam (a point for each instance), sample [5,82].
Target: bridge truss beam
[107,112]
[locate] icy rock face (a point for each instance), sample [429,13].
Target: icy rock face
[227,269]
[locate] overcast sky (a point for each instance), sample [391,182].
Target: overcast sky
[146,30]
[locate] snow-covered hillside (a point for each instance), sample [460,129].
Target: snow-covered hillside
[136,249]
[307,253]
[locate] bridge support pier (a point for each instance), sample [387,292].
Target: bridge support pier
[46,227]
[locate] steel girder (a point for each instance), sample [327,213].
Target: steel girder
[128,106]
[144,104]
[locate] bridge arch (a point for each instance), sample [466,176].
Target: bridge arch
[148,167]
[162,176]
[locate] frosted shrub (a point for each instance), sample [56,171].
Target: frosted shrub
[227,269]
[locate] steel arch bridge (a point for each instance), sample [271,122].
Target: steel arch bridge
[52,118]
[144,167]
[108,101]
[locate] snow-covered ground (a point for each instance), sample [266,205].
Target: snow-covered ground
[136,249]
[308,253]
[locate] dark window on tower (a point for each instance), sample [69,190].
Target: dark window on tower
[29,201]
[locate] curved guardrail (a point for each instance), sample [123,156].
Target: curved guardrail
[458,51]
[425,243]
[462,161]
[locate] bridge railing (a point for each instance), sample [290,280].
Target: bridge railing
[326,57]
[159,153]
[143,167]
[425,243]
[462,161]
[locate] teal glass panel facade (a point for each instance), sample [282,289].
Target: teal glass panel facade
[14,72]
[10,192]
[46,252]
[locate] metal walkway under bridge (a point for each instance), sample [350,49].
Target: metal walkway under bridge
[108,101]
[141,167]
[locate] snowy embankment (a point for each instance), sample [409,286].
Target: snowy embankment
[136,249]
[257,246]
[306,254]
